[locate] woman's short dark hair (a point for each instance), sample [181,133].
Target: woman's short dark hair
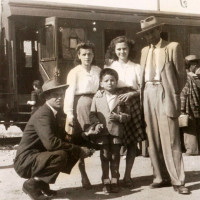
[84,45]
[108,71]
[110,53]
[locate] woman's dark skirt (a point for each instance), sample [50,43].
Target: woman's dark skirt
[134,129]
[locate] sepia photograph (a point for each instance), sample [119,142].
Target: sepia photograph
[100,99]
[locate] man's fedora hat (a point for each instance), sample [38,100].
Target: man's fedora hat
[192,57]
[148,24]
[51,85]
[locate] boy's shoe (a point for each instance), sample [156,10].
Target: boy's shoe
[106,188]
[114,187]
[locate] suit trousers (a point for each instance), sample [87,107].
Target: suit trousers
[163,137]
[46,165]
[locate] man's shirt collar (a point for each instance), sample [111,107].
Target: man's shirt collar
[158,45]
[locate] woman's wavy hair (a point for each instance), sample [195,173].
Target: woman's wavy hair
[110,53]
[84,45]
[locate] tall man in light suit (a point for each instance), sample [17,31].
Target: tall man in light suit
[162,78]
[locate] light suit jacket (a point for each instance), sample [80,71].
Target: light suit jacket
[100,113]
[173,75]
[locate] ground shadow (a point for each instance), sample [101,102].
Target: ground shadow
[6,167]
[193,176]
[79,193]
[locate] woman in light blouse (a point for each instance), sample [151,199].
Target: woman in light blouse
[119,56]
[83,81]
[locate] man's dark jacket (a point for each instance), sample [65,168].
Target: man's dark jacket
[42,134]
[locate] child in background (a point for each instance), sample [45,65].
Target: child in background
[36,101]
[107,116]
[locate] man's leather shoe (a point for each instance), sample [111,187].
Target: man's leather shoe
[31,187]
[181,189]
[46,189]
[166,183]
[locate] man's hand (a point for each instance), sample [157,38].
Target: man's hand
[99,94]
[85,152]
[114,117]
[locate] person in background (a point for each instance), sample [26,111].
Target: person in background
[107,116]
[36,100]
[43,152]
[163,77]
[83,81]
[119,56]
[190,105]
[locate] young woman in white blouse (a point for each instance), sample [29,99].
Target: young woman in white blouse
[83,81]
[119,56]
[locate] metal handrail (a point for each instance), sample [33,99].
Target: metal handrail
[42,67]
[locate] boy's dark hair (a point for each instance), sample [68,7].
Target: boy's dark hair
[109,71]
[37,84]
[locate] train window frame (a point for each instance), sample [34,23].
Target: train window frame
[73,41]
[43,31]
[194,38]
[28,53]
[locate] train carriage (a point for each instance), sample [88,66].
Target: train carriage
[39,37]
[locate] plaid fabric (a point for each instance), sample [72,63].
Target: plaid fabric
[134,129]
[190,98]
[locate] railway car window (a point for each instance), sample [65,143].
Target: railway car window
[194,43]
[70,37]
[47,43]
[28,53]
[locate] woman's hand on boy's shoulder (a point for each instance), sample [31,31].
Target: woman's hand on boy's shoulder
[99,94]
[127,96]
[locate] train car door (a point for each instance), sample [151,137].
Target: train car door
[48,49]
[26,60]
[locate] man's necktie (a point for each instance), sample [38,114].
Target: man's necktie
[150,65]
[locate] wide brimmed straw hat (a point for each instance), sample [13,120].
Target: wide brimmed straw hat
[51,85]
[148,24]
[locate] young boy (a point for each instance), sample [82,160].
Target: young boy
[107,116]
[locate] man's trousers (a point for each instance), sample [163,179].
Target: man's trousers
[163,136]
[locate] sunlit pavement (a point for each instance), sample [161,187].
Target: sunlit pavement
[69,186]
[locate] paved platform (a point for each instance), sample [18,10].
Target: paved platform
[69,186]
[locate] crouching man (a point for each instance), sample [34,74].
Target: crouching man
[43,152]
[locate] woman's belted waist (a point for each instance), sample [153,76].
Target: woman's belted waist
[154,82]
[86,95]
